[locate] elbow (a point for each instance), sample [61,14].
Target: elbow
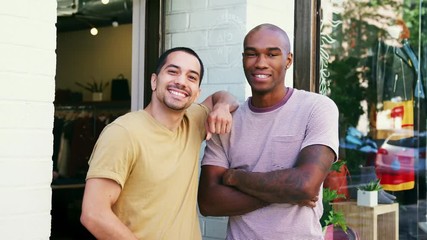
[88,220]
[206,206]
[204,211]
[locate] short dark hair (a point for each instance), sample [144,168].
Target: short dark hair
[162,59]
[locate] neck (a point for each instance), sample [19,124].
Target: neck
[270,99]
[169,118]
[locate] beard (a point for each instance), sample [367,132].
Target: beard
[175,105]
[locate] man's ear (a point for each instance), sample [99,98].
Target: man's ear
[289,60]
[153,82]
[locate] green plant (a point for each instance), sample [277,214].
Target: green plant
[373,185]
[331,216]
[337,219]
[329,195]
[336,166]
[94,86]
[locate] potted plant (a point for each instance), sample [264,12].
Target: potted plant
[96,88]
[333,222]
[367,194]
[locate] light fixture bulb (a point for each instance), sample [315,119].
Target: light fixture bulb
[105,1]
[94,31]
[115,24]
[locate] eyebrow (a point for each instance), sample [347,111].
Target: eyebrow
[268,49]
[178,67]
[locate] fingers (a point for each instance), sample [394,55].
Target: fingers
[219,122]
[208,135]
[218,125]
[310,204]
[228,177]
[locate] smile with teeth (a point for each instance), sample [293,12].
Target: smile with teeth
[179,94]
[261,76]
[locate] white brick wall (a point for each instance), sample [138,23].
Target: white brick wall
[215,29]
[27,72]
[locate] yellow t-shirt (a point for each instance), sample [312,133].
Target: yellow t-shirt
[157,170]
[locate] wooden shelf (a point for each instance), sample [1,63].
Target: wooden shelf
[371,223]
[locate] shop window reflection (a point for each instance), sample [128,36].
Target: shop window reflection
[370,67]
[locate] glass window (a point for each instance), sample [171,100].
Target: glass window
[372,64]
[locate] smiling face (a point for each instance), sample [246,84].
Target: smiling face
[177,84]
[266,57]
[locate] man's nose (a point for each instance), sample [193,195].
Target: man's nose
[261,61]
[180,79]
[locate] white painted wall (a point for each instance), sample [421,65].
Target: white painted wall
[215,30]
[27,71]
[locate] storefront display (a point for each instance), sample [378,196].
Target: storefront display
[377,48]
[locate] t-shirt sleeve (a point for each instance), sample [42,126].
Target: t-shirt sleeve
[215,153]
[112,156]
[198,113]
[322,127]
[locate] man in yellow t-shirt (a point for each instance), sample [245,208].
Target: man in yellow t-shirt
[143,172]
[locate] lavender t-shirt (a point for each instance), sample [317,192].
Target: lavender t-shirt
[263,140]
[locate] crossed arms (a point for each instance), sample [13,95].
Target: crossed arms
[228,192]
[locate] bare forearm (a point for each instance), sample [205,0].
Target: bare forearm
[216,199]
[97,215]
[294,185]
[224,98]
[107,226]
[226,201]
[284,186]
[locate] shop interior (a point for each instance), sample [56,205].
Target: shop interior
[93,87]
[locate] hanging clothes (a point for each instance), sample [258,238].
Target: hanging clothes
[76,129]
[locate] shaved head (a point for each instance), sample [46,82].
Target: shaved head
[272,28]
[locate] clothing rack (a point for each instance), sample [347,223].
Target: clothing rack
[76,129]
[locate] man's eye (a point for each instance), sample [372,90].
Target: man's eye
[173,72]
[192,78]
[250,54]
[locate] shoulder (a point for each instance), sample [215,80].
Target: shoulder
[197,110]
[130,118]
[314,99]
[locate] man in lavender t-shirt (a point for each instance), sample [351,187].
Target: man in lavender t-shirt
[267,174]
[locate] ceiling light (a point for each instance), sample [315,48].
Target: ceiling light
[94,31]
[105,1]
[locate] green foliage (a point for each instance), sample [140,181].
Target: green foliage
[346,90]
[329,215]
[329,195]
[336,166]
[373,185]
[411,16]
[337,219]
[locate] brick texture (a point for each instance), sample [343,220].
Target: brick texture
[27,78]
